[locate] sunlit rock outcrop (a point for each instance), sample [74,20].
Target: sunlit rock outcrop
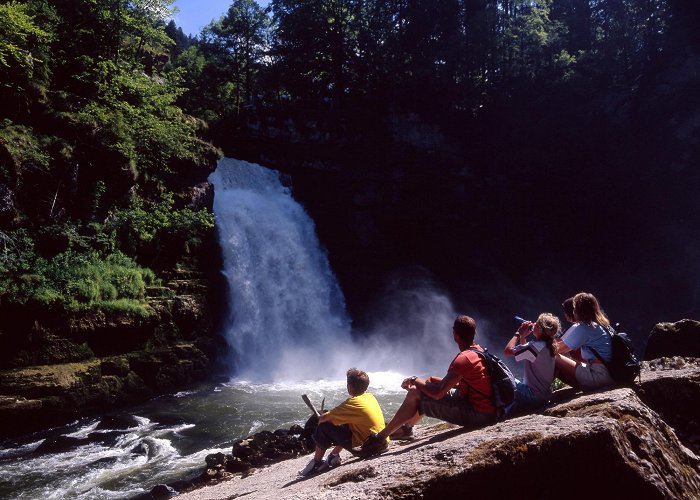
[610,439]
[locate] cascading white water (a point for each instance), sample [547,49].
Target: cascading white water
[287,310]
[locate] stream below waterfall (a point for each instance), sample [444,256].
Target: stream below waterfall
[170,437]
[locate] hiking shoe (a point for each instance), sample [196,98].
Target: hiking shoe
[311,468]
[329,463]
[404,432]
[333,460]
[374,445]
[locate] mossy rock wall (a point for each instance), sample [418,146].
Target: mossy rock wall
[56,369]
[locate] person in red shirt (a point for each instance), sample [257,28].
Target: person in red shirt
[462,397]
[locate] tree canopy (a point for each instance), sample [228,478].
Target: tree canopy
[107,104]
[89,129]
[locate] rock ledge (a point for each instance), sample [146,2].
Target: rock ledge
[617,443]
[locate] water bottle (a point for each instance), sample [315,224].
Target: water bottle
[519,321]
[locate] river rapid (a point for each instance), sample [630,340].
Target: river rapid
[170,439]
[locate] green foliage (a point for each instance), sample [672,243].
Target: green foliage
[136,115]
[142,25]
[144,229]
[73,280]
[16,252]
[316,41]
[104,88]
[530,39]
[18,34]
[27,149]
[557,384]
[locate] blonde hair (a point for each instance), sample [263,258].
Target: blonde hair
[550,326]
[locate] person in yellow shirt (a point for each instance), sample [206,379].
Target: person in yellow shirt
[347,425]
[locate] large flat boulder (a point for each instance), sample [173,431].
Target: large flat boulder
[601,445]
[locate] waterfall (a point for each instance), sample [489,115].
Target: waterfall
[287,312]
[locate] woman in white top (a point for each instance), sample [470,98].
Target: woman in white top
[590,335]
[538,356]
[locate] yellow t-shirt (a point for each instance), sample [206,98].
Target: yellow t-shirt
[362,414]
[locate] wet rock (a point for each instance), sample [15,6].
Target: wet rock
[109,438]
[119,421]
[236,465]
[162,491]
[260,449]
[215,459]
[19,404]
[266,447]
[674,339]
[115,366]
[188,310]
[199,196]
[60,444]
[141,449]
[296,430]
[58,366]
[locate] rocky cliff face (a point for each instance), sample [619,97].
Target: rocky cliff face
[603,444]
[77,364]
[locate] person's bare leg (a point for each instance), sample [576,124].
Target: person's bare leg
[414,420]
[336,450]
[407,412]
[405,430]
[318,454]
[567,369]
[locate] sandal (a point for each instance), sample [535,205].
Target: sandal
[405,432]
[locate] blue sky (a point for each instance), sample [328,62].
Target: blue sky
[195,14]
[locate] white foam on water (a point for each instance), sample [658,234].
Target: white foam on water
[7,453]
[85,430]
[256,426]
[141,457]
[182,394]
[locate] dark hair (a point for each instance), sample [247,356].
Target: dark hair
[587,310]
[465,328]
[568,306]
[358,380]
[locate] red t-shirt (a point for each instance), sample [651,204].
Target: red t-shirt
[475,384]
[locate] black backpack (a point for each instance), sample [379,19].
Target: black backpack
[624,367]
[502,380]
